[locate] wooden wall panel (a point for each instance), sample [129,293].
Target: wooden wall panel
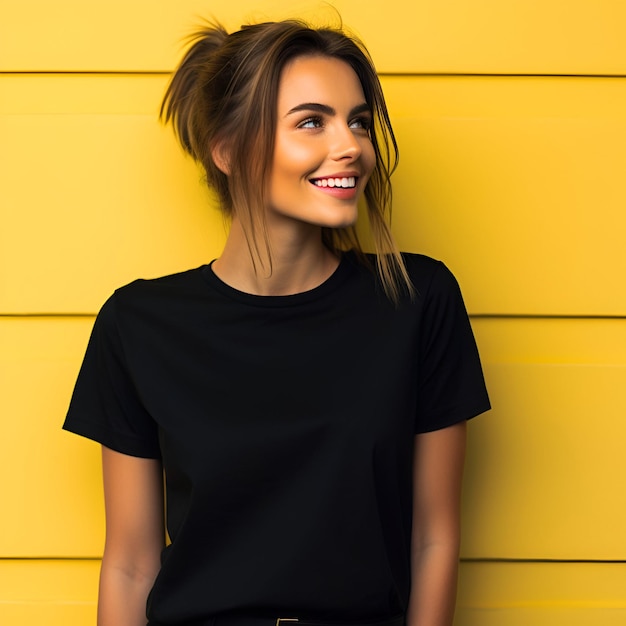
[407,36]
[528,172]
[546,466]
[97,189]
[514,181]
[51,485]
[543,482]
[541,594]
[50,592]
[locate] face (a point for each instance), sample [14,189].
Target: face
[323,155]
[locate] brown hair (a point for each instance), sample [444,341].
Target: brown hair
[224,94]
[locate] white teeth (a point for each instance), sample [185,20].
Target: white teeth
[346,182]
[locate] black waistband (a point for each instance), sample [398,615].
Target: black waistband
[288,620]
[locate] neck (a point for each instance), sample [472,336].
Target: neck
[298,263]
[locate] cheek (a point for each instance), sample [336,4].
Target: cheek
[368,157]
[296,159]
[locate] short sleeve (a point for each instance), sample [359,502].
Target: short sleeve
[451,385]
[105,405]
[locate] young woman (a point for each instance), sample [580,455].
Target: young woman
[305,402]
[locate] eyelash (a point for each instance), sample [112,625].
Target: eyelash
[365,123]
[311,120]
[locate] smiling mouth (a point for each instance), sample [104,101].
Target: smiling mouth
[348,182]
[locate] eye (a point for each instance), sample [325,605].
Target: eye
[363,122]
[311,122]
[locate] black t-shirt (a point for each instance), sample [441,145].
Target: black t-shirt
[285,425]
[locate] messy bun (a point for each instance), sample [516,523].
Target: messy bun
[181,97]
[188,104]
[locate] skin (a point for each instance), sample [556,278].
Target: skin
[437,477]
[135,536]
[322,131]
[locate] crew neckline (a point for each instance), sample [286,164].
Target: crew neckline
[327,286]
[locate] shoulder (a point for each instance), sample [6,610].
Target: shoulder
[147,298]
[172,287]
[169,284]
[419,266]
[431,279]
[430,276]
[422,268]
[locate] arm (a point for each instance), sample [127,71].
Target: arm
[133,495]
[438,470]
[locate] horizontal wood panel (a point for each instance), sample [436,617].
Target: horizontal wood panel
[64,593]
[544,470]
[541,594]
[54,593]
[517,183]
[53,498]
[544,615]
[457,36]
[545,466]
[108,198]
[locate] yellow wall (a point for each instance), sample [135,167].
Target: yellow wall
[511,118]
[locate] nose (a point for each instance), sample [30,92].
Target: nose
[345,144]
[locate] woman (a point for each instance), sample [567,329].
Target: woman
[305,402]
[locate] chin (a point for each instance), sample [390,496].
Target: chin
[345,219]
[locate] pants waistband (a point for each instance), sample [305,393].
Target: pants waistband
[293,620]
[242,620]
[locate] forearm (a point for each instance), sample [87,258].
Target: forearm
[135,536]
[436,534]
[433,586]
[123,594]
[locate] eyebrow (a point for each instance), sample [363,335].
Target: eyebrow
[327,110]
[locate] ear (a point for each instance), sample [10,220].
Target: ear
[221,157]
